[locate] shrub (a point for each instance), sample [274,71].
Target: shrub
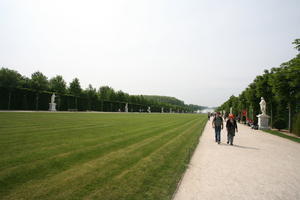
[279,123]
[296,125]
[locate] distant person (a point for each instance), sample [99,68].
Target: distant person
[231,127]
[217,124]
[208,115]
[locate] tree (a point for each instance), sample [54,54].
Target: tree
[243,104]
[25,82]
[106,93]
[75,89]
[297,43]
[283,92]
[91,94]
[287,85]
[252,100]
[10,80]
[58,85]
[121,96]
[264,89]
[39,82]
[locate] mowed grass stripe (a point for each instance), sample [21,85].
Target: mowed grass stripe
[106,164]
[33,142]
[119,163]
[40,133]
[53,166]
[133,180]
[80,169]
[77,156]
[50,151]
[151,178]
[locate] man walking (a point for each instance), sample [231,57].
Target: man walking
[217,123]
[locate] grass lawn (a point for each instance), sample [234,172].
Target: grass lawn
[95,155]
[295,139]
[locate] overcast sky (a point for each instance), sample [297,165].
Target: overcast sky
[200,51]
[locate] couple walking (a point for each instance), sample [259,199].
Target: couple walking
[231,127]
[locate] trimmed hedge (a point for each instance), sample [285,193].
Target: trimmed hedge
[27,99]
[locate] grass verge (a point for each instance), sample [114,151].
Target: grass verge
[283,135]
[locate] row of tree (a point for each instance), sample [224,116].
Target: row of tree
[173,101]
[16,89]
[280,87]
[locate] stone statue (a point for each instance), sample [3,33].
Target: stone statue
[263,106]
[52,105]
[53,98]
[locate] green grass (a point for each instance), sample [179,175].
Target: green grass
[95,156]
[283,135]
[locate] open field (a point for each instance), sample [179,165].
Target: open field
[95,156]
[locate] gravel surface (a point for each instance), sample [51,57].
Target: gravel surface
[258,166]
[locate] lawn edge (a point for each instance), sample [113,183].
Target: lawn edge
[279,134]
[189,160]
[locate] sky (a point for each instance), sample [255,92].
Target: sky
[200,51]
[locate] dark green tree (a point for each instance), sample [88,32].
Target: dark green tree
[264,89]
[58,85]
[106,93]
[75,89]
[92,95]
[122,96]
[10,80]
[39,82]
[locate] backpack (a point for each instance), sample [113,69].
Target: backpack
[218,121]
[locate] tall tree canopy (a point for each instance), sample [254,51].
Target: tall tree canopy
[280,87]
[57,84]
[75,88]
[39,81]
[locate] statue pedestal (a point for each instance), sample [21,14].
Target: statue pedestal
[52,106]
[263,121]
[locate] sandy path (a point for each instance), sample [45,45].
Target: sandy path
[259,166]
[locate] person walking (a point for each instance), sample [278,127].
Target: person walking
[231,127]
[217,124]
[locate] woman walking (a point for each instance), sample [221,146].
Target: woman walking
[231,127]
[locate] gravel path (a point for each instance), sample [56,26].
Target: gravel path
[259,166]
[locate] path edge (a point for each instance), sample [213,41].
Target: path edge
[191,158]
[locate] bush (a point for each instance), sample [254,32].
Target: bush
[279,123]
[296,125]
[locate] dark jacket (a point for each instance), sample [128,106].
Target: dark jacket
[231,126]
[218,121]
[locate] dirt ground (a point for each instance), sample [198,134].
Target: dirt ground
[258,166]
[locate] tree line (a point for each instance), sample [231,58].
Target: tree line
[280,88]
[20,92]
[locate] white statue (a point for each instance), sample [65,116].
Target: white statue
[53,98]
[52,105]
[263,106]
[149,109]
